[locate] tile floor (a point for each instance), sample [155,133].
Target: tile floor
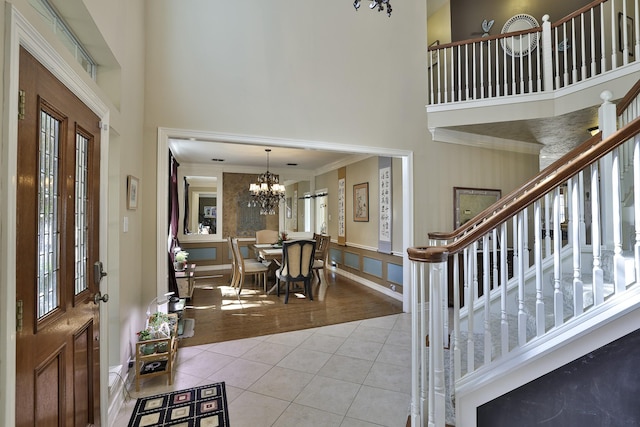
[355,374]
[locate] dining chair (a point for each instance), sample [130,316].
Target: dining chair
[322,253]
[248,267]
[297,263]
[235,274]
[267,236]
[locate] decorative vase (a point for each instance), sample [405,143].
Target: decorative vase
[179,265]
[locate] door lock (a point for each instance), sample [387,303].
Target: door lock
[99,297]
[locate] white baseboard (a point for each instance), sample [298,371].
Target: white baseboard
[119,381]
[368,283]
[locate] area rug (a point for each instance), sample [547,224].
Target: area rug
[204,406]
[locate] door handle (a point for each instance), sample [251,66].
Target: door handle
[98,273]
[99,297]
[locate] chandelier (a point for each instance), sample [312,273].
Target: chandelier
[267,193]
[379,4]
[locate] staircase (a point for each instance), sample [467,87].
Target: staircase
[572,235]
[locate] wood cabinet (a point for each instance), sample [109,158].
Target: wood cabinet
[157,357]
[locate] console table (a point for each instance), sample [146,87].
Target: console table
[186,281]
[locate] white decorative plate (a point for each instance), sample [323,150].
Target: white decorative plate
[524,44]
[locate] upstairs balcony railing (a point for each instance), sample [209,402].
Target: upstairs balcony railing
[525,270]
[601,37]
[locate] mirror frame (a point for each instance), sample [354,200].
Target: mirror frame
[188,169]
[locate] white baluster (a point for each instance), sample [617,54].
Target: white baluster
[598,276]
[558,299]
[489,73]
[481,70]
[618,259]
[470,255]
[636,205]
[557,56]
[496,279]
[457,356]
[504,322]
[603,59]
[547,226]
[613,36]
[540,318]
[564,55]
[594,68]
[574,44]
[486,289]
[466,68]
[522,316]
[583,69]
[578,295]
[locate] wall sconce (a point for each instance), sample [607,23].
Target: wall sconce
[593,130]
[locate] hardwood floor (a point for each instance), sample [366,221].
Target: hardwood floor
[220,316]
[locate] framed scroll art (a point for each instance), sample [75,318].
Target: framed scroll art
[132,192]
[361,202]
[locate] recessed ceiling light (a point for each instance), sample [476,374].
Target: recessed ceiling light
[292,164]
[217,160]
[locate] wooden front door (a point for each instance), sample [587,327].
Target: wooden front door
[57,367]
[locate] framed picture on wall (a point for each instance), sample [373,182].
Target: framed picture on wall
[361,202]
[469,202]
[628,22]
[132,192]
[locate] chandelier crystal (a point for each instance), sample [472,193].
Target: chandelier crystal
[267,193]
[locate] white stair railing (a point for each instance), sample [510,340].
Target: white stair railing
[503,309]
[599,38]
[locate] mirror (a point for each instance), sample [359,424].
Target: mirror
[201,205]
[200,196]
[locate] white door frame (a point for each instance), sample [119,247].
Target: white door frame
[22,33]
[164,134]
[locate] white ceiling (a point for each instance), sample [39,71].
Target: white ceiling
[234,154]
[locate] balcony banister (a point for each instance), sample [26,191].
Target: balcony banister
[485,39]
[548,179]
[578,12]
[628,98]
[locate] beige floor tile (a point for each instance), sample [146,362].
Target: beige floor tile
[268,352]
[324,343]
[390,377]
[346,368]
[360,349]
[378,406]
[241,373]
[255,410]
[304,360]
[328,394]
[299,416]
[282,383]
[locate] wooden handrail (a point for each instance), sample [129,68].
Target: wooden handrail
[532,191]
[630,96]
[484,39]
[517,193]
[578,12]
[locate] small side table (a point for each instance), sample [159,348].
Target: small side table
[186,281]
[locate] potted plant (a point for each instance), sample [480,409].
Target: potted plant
[282,238]
[146,335]
[180,260]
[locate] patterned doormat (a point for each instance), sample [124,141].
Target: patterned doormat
[199,406]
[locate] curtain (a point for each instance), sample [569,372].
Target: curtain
[174,213]
[185,224]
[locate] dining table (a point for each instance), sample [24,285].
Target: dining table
[271,254]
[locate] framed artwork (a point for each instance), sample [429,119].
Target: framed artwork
[433,54]
[209,211]
[361,202]
[133,185]
[630,37]
[469,202]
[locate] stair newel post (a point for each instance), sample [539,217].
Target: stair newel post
[522,315]
[636,205]
[598,275]
[504,323]
[540,323]
[558,298]
[418,338]
[437,279]
[578,294]
[486,284]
